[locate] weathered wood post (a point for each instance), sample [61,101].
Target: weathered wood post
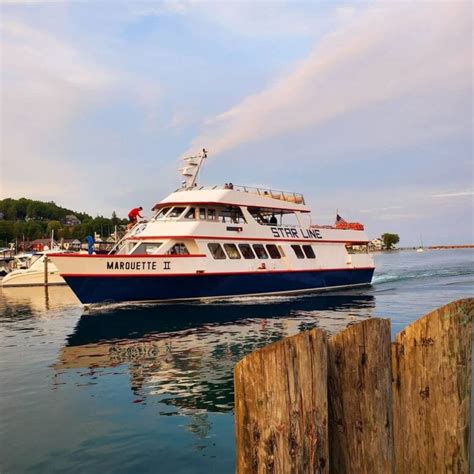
[281,407]
[376,407]
[359,383]
[431,363]
[45,270]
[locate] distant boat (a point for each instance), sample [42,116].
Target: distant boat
[30,271]
[420,248]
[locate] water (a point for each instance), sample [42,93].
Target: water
[148,388]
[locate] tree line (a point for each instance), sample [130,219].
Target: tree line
[26,219]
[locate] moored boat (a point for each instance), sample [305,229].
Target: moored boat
[31,271]
[221,241]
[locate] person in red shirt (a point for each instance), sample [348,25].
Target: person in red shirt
[133,216]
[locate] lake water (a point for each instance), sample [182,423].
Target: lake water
[148,388]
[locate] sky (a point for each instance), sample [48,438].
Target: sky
[364,107]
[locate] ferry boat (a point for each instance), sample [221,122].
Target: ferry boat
[222,241]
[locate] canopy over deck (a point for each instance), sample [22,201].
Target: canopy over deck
[238,196]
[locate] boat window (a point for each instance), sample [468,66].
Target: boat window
[178,249]
[191,214]
[175,212]
[259,216]
[216,251]
[308,251]
[260,251]
[246,251]
[211,214]
[273,251]
[162,212]
[231,250]
[148,248]
[126,248]
[34,258]
[232,215]
[298,252]
[202,213]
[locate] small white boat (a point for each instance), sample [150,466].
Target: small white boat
[31,271]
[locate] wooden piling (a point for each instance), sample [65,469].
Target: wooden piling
[359,383]
[431,363]
[357,403]
[45,270]
[281,407]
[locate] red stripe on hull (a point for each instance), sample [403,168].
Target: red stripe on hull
[137,255]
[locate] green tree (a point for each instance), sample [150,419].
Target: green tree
[10,211]
[34,230]
[65,233]
[31,211]
[389,240]
[6,233]
[54,226]
[115,220]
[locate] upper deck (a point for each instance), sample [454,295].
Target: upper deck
[237,196]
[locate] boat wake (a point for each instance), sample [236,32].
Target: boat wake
[420,275]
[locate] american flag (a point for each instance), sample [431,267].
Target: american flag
[340,220]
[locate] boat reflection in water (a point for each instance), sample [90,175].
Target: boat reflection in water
[184,354]
[37,301]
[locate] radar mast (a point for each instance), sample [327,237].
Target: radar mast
[191,168]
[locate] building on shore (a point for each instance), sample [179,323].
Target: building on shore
[376,244]
[71,220]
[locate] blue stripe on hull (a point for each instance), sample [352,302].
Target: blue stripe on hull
[137,288]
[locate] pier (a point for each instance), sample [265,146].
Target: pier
[357,402]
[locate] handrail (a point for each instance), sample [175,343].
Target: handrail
[287,196]
[127,234]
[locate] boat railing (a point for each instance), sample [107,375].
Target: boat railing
[287,196]
[136,229]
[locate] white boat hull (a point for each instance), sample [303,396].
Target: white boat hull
[33,277]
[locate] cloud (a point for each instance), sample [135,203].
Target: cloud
[454,194]
[46,84]
[49,86]
[379,209]
[390,53]
[248,19]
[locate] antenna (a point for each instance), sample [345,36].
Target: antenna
[191,168]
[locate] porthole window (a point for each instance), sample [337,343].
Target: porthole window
[217,251]
[298,252]
[246,251]
[232,251]
[308,251]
